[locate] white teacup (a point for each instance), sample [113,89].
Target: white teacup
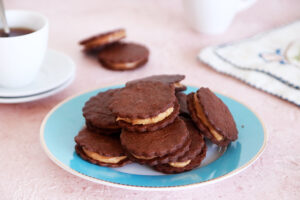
[213,16]
[21,56]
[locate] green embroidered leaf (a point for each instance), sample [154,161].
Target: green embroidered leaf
[298,56]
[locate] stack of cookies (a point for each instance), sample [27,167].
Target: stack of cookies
[112,53]
[152,122]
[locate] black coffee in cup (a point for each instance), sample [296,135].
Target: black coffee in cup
[18,31]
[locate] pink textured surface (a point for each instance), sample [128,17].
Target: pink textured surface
[27,173]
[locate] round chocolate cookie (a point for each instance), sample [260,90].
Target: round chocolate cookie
[167,169]
[212,117]
[197,143]
[172,157]
[145,106]
[97,115]
[173,79]
[192,158]
[155,144]
[151,127]
[123,56]
[100,149]
[97,42]
[183,111]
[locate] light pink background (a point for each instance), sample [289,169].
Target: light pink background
[27,173]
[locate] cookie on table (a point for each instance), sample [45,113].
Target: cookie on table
[98,116]
[123,56]
[100,149]
[173,79]
[145,106]
[183,111]
[212,117]
[192,158]
[99,41]
[162,146]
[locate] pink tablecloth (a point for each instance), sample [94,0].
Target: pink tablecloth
[27,173]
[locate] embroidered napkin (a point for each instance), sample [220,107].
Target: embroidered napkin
[269,61]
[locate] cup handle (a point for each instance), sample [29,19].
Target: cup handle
[244,4]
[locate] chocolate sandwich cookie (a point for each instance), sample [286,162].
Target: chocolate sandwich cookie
[161,146]
[99,41]
[183,111]
[173,79]
[100,149]
[172,157]
[212,117]
[98,116]
[167,169]
[192,158]
[145,106]
[123,56]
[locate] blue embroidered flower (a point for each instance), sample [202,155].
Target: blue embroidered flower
[276,56]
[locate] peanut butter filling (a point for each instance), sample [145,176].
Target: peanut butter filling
[203,118]
[104,159]
[143,157]
[177,85]
[127,65]
[180,164]
[108,38]
[151,120]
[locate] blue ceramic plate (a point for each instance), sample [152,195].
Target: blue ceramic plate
[64,122]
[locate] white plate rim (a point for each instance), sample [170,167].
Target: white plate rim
[38,96]
[45,88]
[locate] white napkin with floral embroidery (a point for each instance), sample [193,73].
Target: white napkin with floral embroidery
[269,61]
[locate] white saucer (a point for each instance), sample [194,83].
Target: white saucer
[37,96]
[57,69]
